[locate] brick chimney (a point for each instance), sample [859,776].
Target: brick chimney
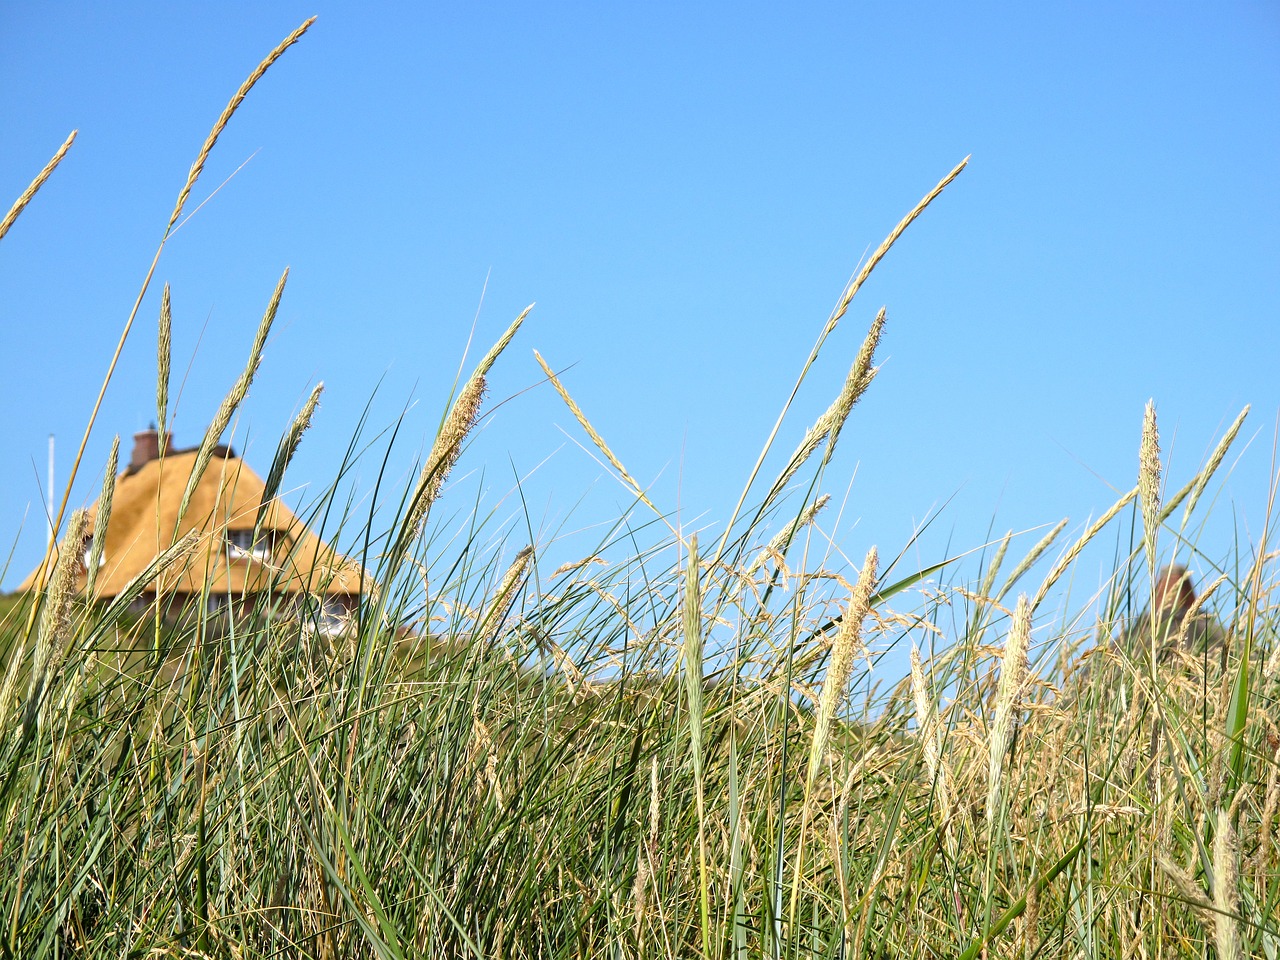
[146,447]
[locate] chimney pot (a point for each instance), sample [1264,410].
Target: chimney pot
[146,446]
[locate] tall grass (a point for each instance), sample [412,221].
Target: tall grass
[654,757]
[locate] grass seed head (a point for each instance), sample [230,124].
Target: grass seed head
[447,449]
[855,385]
[102,516]
[927,727]
[1149,481]
[1013,672]
[55,619]
[848,645]
[777,547]
[1226,887]
[164,353]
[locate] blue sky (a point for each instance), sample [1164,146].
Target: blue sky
[683,189]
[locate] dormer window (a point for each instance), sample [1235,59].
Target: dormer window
[86,553]
[241,545]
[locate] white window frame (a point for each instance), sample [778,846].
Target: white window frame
[247,548]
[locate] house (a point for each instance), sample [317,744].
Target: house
[236,565]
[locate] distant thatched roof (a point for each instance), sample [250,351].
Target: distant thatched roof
[286,558]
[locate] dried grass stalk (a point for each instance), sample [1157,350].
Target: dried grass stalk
[55,619]
[284,452]
[1189,892]
[29,194]
[164,353]
[692,624]
[930,739]
[993,568]
[231,402]
[488,360]
[1068,558]
[777,546]
[852,289]
[457,426]
[1201,479]
[228,111]
[1032,558]
[598,440]
[507,589]
[1013,674]
[102,516]
[828,426]
[483,749]
[445,451]
[848,646]
[861,373]
[1266,831]
[646,854]
[1149,482]
[1226,889]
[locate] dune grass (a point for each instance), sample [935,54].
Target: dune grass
[678,753]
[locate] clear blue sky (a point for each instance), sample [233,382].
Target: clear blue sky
[684,190]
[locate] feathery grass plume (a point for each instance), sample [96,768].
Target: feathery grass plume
[595,437]
[692,624]
[488,360]
[645,854]
[284,452]
[1201,479]
[841,308]
[782,539]
[445,451]
[1068,558]
[460,421]
[848,645]
[482,748]
[993,568]
[861,373]
[828,426]
[232,105]
[572,565]
[852,289]
[164,353]
[1032,557]
[929,733]
[1266,830]
[507,589]
[1149,482]
[102,516]
[1226,888]
[232,401]
[1013,673]
[1029,922]
[55,619]
[29,194]
[1188,890]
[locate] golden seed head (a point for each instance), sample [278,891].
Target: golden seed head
[1149,480]
[848,644]
[1226,886]
[55,618]
[1013,671]
[447,448]
[102,516]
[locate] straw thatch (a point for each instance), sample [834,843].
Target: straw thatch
[285,558]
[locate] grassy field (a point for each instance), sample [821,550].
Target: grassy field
[679,753]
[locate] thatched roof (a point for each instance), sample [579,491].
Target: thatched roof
[223,511]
